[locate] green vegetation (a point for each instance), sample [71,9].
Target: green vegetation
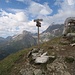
[64,43]
[7,64]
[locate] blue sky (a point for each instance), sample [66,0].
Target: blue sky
[18,15]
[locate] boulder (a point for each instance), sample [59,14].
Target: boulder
[42,59]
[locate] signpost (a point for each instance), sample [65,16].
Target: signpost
[38,24]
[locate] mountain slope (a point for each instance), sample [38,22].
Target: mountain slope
[19,63]
[51,32]
[2,39]
[56,29]
[16,43]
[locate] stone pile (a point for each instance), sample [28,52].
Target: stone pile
[39,56]
[43,66]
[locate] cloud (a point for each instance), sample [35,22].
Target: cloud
[39,9]
[71,2]
[15,10]
[25,1]
[9,22]
[66,9]
[19,16]
[21,19]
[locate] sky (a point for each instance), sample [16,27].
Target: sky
[19,15]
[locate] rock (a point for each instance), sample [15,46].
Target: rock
[37,72]
[72,44]
[42,59]
[29,72]
[26,72]
[32,51]
[29,54]
[35,50]
[67,73]
[39,57]
[70,35]
[63,49]
[35,55]
[53,53]
[58,67]
[44,54]
[41,51]
[57,49]
[23,72]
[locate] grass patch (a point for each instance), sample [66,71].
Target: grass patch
[54,41]
[64,43]
[7,64]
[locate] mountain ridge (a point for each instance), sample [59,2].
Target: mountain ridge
[51,32]
[16,43]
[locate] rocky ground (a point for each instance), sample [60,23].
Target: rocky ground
[62,64]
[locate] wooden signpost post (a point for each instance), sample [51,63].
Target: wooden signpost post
[38,24]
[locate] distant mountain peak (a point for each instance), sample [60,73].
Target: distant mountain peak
[24,32]
[21,36]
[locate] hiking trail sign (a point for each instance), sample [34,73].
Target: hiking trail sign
[38,24]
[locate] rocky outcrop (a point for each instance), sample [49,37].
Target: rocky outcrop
[56,67]
[39,56]
[69,28]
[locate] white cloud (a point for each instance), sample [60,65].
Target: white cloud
[39,9]
[15,10]
[71,2]
[11,24]
[25,1]
[19,16]
[64,12]
[67,9]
